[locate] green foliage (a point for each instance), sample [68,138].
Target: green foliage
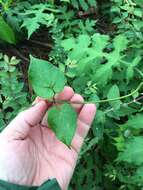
[133,151]
[98,65]
[85,5]
[89,54]
[5,4]
[6,32]
[12,95]
[62,120]
[46,81]
[114,93]
[35,17]
[128,17]
[30,16]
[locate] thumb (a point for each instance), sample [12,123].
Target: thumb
[19,128]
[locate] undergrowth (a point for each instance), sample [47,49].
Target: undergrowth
[99,63]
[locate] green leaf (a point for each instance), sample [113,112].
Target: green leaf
[98,124]
[68,44]
[46,79]
[85,50]
[139,2]
[130,69]
[103,74]
[35,17]
[114,93]
[63,121]
[75,3]
[133,152]
[6,32]
[138,176]
[135,122]
[83,4]
[92,3]
[120,43]
[120,143]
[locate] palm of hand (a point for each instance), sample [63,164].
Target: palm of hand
[34,154]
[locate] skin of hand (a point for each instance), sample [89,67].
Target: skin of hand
[29,151]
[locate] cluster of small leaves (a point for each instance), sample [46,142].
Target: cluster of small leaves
[12,95]
[128,16]
[5,4]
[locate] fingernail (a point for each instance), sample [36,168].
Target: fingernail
[33,104]
[37,100]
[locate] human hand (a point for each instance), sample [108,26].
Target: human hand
[30,153]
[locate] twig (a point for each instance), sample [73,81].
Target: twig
[20,55]
[41,43]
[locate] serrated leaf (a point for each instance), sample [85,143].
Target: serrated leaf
[114,93]
[83,4]
[103,74]
[6,32]
[133,152]
[92,3]
[45,79]
[75,3]
[85,50]
[63,121]
[68,44]
[135,122]
[35,17]
[120,43]
[130,69]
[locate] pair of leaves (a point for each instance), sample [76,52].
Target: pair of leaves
[6,32]
[46,81]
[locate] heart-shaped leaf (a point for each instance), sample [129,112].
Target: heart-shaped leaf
[63,121]
[45,78]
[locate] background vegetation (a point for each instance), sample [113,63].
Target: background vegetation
[98,45]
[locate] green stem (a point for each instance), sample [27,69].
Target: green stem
[101,101]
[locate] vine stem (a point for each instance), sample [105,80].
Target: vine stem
[125,104]
[100,101]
